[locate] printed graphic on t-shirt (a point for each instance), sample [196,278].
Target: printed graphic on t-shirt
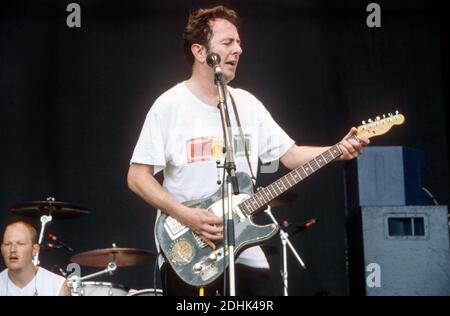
[210,148]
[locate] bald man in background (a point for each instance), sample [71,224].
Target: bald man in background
[22,277]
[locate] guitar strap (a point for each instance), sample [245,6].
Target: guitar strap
[242,137]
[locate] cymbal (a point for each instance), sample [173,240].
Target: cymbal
[123,257]
[58,210]
[283,199]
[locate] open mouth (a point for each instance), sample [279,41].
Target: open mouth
[231,63]
[13,259]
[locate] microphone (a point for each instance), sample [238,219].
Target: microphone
[213,61]
[301,227]
[59,242]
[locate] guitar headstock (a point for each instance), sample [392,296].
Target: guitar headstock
[380,125]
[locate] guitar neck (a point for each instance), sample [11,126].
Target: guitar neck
[255,203]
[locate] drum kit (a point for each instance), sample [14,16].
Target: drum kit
[108,258]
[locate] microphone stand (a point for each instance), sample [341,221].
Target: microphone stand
[285,241]
[232,183]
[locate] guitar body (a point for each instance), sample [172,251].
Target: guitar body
[193,260]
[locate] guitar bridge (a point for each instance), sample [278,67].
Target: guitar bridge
[207,266]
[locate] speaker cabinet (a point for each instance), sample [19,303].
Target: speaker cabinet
[398,250]
[385,176]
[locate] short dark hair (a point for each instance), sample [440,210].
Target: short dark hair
[198,29]
[30,228]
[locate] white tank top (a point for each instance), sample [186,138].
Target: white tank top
[45,283]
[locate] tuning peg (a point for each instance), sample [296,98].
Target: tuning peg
[370,120]
[396,112]
[390,114]
[377,118]
[363,122]
[384,116]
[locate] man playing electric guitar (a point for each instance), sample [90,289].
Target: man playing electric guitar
[182,136]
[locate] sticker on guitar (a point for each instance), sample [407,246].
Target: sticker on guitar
[174,228]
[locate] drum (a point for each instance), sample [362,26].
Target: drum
[146,292]
[92,288]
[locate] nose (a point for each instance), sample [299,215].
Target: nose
[237,48]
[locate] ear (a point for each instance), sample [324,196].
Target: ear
[199,52]
[36,249]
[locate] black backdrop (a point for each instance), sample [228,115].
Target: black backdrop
[72,103]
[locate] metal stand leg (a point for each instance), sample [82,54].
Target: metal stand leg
[75,281]
[284,271]
[285,241]
[44,220]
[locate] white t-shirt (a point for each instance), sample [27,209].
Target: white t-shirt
[45,283]
[183,137]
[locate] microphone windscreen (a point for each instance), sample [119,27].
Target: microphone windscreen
[213,59]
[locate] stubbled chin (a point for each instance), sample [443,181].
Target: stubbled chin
[15,269]
[229,76]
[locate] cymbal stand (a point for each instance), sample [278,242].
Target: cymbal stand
[45,219]
[285,242]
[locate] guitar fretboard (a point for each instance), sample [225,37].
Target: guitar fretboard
[261,198]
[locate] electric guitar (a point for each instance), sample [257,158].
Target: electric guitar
[198,264]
